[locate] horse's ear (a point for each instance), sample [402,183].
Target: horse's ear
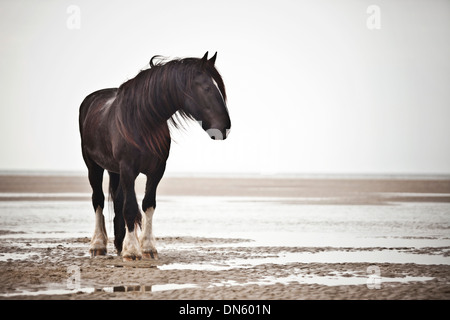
[213,59]
[152,64]
[205,57]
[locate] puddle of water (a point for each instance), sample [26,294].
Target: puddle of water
[246,217]
[173,286]
[18,256]
[374,257]
[267,280]
[40,195]
[411,194]
[36,249]
[111,289]
[319,280]
[196,266]
[143,288]
[39,292]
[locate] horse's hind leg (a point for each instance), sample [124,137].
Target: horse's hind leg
[99,239]
[116,194]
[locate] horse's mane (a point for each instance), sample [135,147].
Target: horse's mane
[146,102]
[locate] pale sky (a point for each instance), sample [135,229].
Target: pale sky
[311,88]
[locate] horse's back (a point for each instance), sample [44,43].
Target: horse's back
[96,99]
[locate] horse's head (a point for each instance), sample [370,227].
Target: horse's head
[206,99]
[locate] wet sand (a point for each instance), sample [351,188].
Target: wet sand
[235,238]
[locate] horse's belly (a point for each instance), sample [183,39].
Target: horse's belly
[102,155]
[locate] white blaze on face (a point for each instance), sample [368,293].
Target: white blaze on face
[215,83]
[227,131]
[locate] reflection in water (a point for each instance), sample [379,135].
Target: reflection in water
[125,289]
[146,288]
[129,288]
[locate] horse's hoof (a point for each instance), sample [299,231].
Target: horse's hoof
[150,255]
[131,258]
[97,252]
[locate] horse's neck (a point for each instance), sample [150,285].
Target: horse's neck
[157,106]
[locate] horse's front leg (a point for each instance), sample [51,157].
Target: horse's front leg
[99,240]
[131,249]
[147,238]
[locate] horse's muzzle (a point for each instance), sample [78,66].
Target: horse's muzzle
[217,134]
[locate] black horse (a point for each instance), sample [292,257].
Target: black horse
[125,131]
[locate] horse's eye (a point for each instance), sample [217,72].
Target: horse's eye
[207,89]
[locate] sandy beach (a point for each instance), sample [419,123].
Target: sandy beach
[262,238]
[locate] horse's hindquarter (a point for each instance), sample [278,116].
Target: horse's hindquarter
[96,128]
